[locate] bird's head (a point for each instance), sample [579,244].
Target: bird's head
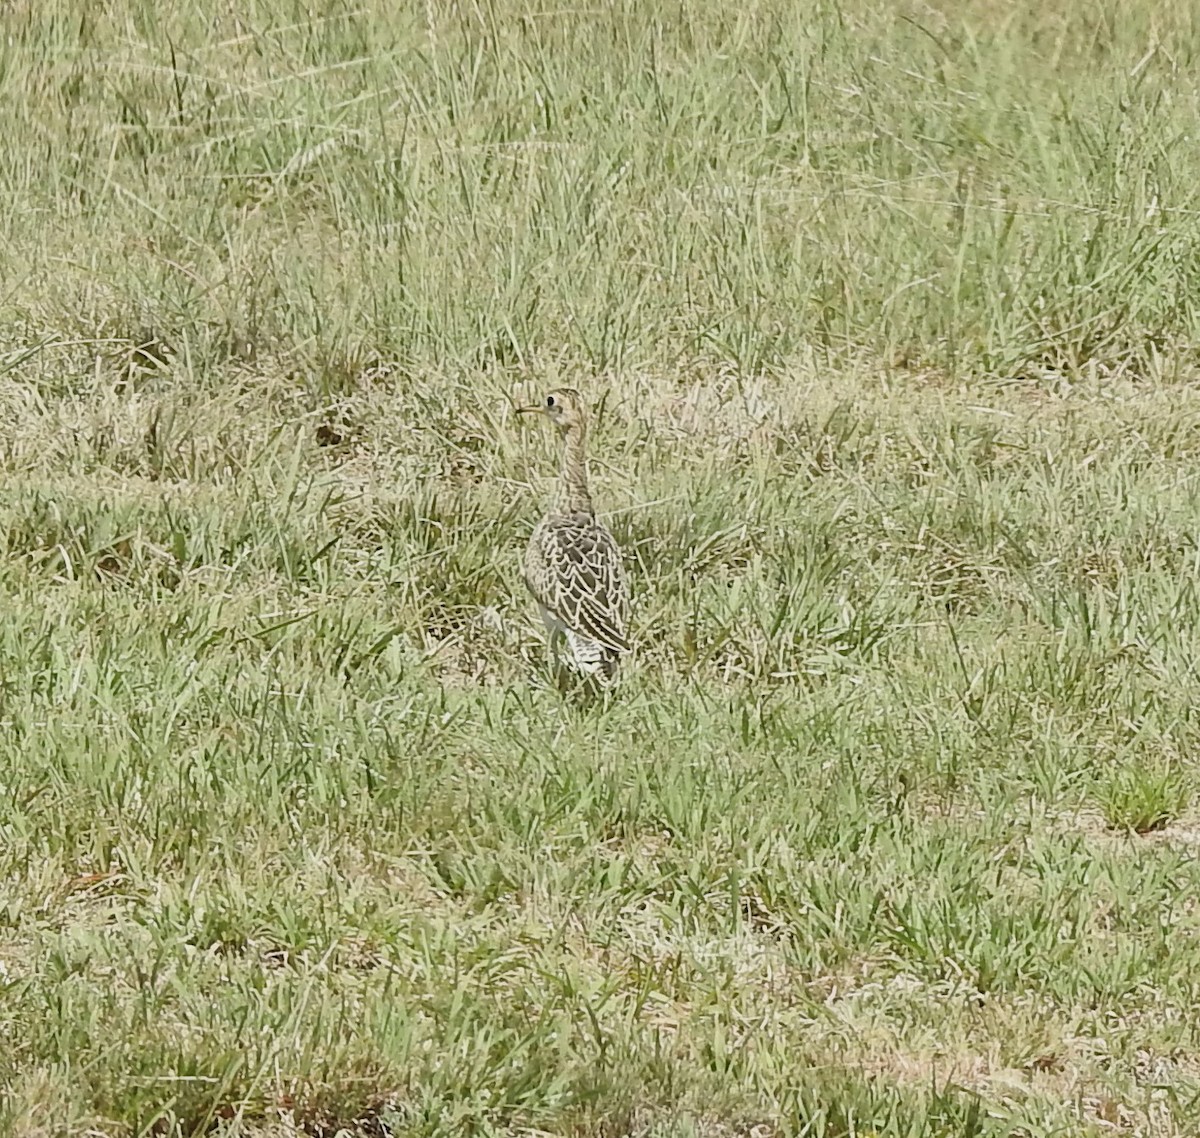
[563,407]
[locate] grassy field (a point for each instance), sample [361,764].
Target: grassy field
[889,310]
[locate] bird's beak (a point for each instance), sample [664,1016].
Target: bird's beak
[528,410]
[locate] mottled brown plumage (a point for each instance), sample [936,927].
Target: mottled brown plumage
[573,567]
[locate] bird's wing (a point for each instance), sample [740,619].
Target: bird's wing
[583,580]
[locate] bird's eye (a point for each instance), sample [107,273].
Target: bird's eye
[549,400]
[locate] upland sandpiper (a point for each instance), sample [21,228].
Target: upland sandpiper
[572,565]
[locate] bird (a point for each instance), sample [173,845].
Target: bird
[573,566]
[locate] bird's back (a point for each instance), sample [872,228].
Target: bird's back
[573,568]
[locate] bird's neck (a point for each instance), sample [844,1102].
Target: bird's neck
[573,494]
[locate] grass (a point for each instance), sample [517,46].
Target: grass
[889,314]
